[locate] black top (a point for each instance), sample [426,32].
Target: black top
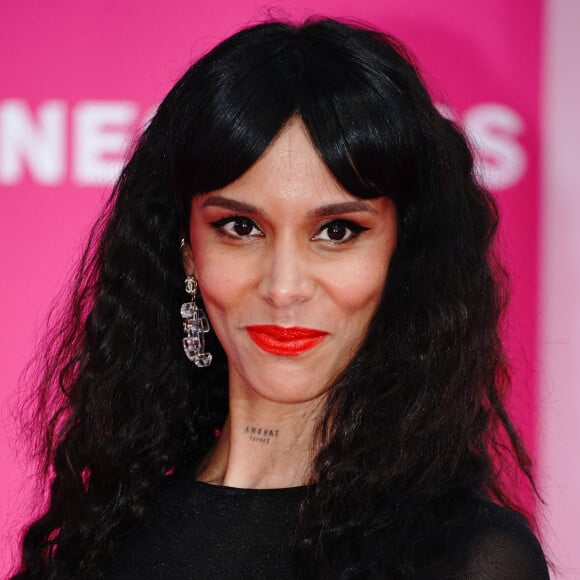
[197,530]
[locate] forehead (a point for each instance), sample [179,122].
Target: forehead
[290,171]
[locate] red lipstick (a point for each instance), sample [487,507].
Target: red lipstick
[285,341]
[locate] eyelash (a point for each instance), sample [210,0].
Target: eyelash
[353,227]
[219,226]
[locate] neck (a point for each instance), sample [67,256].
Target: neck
[263,444]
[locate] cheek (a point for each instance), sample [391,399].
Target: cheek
[223,281]
[358,287]
[358,301]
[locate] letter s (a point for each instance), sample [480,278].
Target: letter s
[493,130]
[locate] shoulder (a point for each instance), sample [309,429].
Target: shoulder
[496,543]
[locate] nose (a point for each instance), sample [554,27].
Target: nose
[286,278]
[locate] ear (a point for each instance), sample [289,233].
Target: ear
[187,258]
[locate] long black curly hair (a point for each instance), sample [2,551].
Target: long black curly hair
[416,418]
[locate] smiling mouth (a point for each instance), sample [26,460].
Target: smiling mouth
[282,341]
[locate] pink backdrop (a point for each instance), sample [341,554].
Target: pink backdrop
[79,79]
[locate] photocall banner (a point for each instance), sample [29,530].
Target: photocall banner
[79,80]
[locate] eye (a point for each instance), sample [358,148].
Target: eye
[339,231]
[237,227]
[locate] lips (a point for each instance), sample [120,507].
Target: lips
[282,341]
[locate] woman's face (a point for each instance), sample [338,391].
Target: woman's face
[291,268]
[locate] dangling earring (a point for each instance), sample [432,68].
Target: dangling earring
[195,325]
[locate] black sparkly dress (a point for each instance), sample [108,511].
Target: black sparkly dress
[200,531]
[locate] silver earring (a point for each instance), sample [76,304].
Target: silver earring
[195,325]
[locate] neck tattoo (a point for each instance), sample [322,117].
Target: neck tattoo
[260,434]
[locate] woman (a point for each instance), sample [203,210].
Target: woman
[343,417]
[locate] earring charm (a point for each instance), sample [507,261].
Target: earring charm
[195,325]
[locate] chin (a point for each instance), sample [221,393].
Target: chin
[286,388]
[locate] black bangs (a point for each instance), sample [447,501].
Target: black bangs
[353,89]
[357,105]
[228,107]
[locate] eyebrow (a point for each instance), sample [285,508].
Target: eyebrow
[340,208]
[319,212]
[218,201]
